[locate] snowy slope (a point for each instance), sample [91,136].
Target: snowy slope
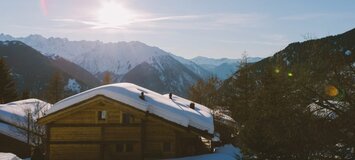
[162,74]
[226,152]
[154,103]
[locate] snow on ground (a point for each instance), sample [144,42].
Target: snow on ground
[176,110]
[8,156]
[73,85]
[347,52]
[226,152]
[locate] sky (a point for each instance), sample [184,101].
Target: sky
[188,28]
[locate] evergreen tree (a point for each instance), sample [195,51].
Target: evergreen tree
[205,92]
[55,90]
[25,94]
[7,84]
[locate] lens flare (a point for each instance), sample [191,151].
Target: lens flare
[277,70]
[331,91]
[44,7]
[290,74]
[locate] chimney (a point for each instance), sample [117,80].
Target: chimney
[142,96]
[192,105]
[170,95]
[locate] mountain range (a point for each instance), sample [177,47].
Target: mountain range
[134,62]
[223,68]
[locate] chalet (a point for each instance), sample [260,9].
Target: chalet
[126,121]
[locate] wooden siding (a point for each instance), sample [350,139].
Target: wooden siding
[11,145]
[74,151]
[75,133]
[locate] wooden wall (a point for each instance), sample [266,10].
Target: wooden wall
[11,145]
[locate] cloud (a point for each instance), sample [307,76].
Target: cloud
[99,25]
[202,22]
[303,17]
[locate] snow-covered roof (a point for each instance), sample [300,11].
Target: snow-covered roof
[15,112]
[13,116]
[8,156]
[13,132]
[175,110]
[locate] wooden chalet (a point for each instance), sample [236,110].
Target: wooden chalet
[125,121]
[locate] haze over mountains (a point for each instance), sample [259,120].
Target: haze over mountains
[134,61]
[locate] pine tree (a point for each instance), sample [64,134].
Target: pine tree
[55,90]
[7,84]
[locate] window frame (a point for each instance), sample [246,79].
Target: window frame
[102,116]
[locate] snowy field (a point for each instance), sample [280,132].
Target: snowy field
[226,152]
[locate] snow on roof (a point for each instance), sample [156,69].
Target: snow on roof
[175,110]
[321,111]
[8,156]
[13,116]
[15,112]
[13,132]
[194,114]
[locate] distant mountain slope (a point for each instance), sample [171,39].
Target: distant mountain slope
[32,70]
[164,74]
[197,69]
[223,68]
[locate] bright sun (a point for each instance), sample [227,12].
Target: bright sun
[114,15]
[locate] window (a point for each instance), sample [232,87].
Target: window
[124,147]
[126,118]
[102,115]
[120,147]
[129,147]
[166,147]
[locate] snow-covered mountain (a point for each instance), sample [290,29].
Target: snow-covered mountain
[121,58]
[223,68]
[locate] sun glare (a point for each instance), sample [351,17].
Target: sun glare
[114,15]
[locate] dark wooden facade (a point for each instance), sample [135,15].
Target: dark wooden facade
[12,145]
[102,128]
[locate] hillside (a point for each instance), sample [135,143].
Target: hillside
[32,70]
[301,96]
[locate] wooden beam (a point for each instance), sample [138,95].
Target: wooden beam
[97,125]
[93,142]
[48,131]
